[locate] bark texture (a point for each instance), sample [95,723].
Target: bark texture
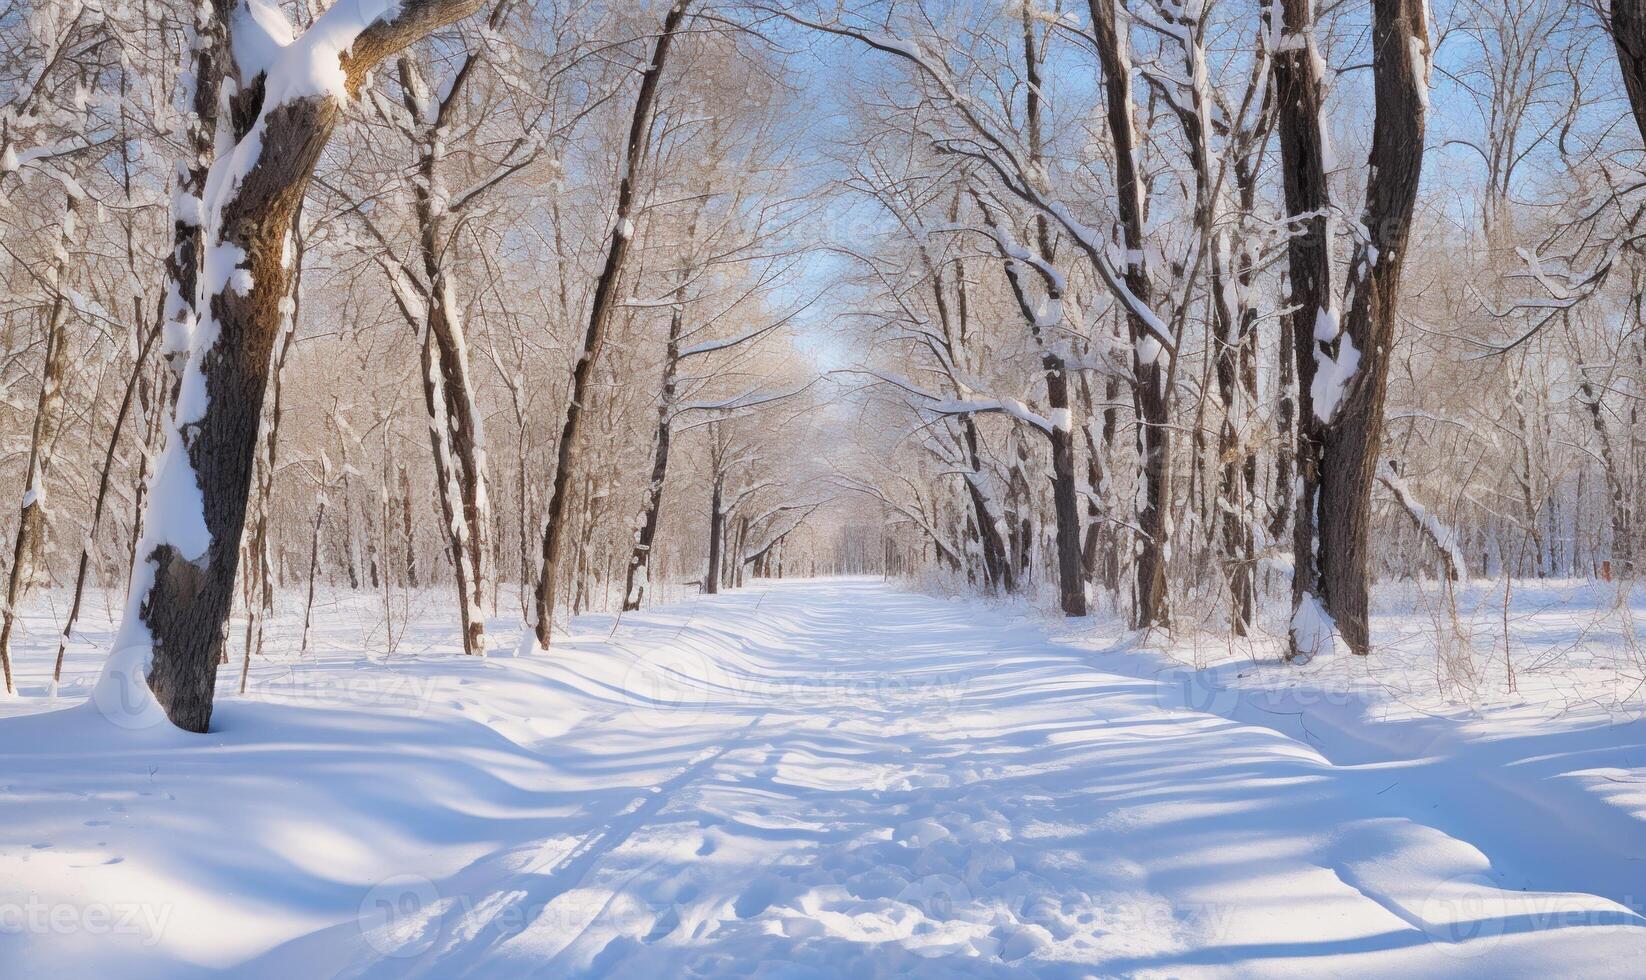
[1629,36]
[1149,375]
[1354,436]
[1338,441]
[186,604]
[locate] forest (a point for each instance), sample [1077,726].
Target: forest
[1248,347]
[1111,304]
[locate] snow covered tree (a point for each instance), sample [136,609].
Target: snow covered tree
[1342,364]
[288,95]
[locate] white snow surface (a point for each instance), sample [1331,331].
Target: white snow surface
[819,779]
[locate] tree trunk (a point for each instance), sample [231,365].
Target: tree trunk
[1354,435]
[1071,579]
[1234,323]
[314,568]
[1300,101]
[600,312]
[996,563]
[260,600]
[29,543]
[450,493]
[1071,566]
[1343,371]
[1149,376]
[1280,507]
[638,578]
[406,527]
[584,557]
[1617,485]
[1237,479]
[181,596]
[717,533]
[458,418]
[742,549]
[1629,36]
[1071,574]
[997,567]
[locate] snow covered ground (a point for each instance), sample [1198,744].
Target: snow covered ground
[835,778]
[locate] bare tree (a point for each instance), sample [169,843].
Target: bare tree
[600,313]
[288,99]
[1342,368]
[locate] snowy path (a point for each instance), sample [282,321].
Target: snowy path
[811,779]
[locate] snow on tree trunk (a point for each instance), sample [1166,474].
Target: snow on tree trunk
[455,418]
[1342,367]
[288,99]
[448,484]
[1149,370]
[27,557]
[1354,435]
[1298,92]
